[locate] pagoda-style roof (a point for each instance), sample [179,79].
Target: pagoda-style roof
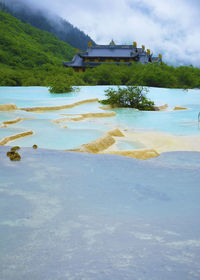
[121,51]
[77,61]
[110,51]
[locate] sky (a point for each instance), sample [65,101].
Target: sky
[169,27]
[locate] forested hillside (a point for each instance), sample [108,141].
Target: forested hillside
[24,47]
[54,24]
[31,57]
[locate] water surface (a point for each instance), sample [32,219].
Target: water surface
[48,134]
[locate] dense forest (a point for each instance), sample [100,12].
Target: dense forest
[31,57]
[43,20]
[24,49]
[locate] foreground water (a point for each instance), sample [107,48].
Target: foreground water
[67,215]
[61,219]
[47,134]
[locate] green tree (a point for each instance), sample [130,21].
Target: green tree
[130,96]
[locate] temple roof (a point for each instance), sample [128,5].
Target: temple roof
[76,62]
[110,52]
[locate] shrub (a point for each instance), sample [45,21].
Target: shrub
[130,96]
[60,88]
[60,85]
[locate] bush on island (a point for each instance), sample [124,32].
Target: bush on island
[129,97]
[60,87]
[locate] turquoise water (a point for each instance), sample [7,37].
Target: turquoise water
[67,215]
[51,135]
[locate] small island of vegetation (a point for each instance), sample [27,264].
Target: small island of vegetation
[129,97]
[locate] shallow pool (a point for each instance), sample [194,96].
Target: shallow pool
[51,135]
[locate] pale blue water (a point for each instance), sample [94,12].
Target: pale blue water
[74,216]
[47,134]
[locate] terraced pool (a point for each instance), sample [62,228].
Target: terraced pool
[72,134]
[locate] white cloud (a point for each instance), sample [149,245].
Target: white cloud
[170,27]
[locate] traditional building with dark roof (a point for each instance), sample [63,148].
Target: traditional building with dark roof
[118,54]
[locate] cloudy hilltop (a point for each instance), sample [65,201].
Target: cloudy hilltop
[170,27]
[44,19]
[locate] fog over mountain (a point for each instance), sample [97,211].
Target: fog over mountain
[45,19]
[170,27]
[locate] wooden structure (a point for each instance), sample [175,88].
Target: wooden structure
[112,53]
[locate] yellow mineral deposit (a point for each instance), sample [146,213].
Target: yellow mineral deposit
[105,107]
[80,117]
[8,107]
[116,133]
[139,154]
[98,145]
[99,115]
[164,142]
[5,123]
[54,108]
[10,138]
[154,143]
[161,108]
[180,108]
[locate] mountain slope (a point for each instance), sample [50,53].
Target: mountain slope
[23,46]
[49,22]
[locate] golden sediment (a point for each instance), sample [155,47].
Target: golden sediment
[164,142]
[54,108]
[105,145]
[84,116]
[116,133]
[98,145]
[154,143]
[139,154]
[105,107]
[180,108]
[161,108]
[7,139]
[99,115]
[8,107]
[5,123]
[61,120]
